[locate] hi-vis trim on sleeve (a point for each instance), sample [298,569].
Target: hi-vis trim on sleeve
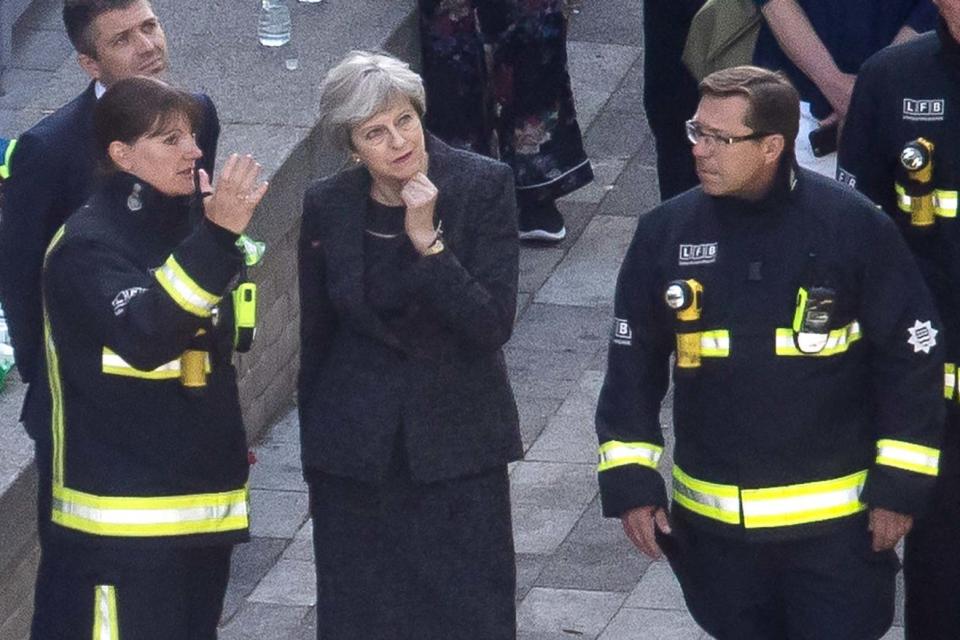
[617,454]
[944,201]
[949,380]
[715,501]
[838,341]
[7,154]
[151,516]
[105,626]
[115,365]
[803,503]
[715,344]
[908,456]
[184,290]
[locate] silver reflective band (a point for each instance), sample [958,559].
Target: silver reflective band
[181,287]
[908,456]
[150,516]
[720,504]
[616,454]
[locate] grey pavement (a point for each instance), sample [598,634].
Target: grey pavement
[578,576]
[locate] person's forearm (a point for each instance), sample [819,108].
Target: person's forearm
[803,46]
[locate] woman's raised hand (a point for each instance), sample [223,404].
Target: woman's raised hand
[231,203]
[419,195]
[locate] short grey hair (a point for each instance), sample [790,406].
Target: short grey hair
[362,85]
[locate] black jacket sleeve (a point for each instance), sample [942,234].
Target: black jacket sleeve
[905,333]
[148,319]
[24,230]
[209,134]
[473,289]
[628,411]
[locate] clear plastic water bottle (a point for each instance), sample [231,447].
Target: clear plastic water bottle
[275,25]
[311,1]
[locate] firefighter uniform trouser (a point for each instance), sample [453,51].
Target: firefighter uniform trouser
[829,586]
[931,564]
[122,594]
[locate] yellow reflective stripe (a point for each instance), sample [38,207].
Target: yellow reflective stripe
[717,501]
[944,201]
[908,456]
[617,454]
[105,626]
[151,516]
[115,365]
[838,341]
[53,377]
[949,380]
[715,343]
[803,503]
[184,290]
[5,167]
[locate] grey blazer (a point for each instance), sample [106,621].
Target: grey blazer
[445,382]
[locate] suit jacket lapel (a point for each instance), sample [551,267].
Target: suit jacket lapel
[345,254]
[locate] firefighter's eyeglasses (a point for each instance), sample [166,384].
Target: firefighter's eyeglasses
[711,140]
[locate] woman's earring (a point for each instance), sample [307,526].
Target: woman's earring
[134,203]
[356,159]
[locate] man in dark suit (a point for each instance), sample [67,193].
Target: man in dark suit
[53,167]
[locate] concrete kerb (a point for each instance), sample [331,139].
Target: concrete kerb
[292,156]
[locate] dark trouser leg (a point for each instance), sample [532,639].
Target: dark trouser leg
[837,587]
[931,564]
[154,594]
[729,585]
[670,93]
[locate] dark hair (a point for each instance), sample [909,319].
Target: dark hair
[78,17]
[139,107]
[774,104]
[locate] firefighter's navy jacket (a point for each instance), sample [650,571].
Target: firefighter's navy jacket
[771,442]
[901,94]
[128,282]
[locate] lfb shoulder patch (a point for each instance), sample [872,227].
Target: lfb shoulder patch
[923,336]
[622,333]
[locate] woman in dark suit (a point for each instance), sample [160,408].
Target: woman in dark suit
[408,285]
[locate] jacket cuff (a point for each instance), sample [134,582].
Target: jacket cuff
[197,273]
[628,487]
[898,490]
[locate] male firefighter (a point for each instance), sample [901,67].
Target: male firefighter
[901,147]
[808,375]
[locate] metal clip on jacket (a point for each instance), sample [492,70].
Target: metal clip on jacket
[917,158]
[811,318]
[685,297]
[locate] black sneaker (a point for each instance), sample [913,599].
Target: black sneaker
[542,223]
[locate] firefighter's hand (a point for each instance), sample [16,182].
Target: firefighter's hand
[231,203]
[888,527]
[639,525]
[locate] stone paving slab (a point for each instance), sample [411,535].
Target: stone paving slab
[652,624]
[579,613]
[587,276]
[569,435]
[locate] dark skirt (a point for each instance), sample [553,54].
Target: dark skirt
[414,561]
[524,99]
